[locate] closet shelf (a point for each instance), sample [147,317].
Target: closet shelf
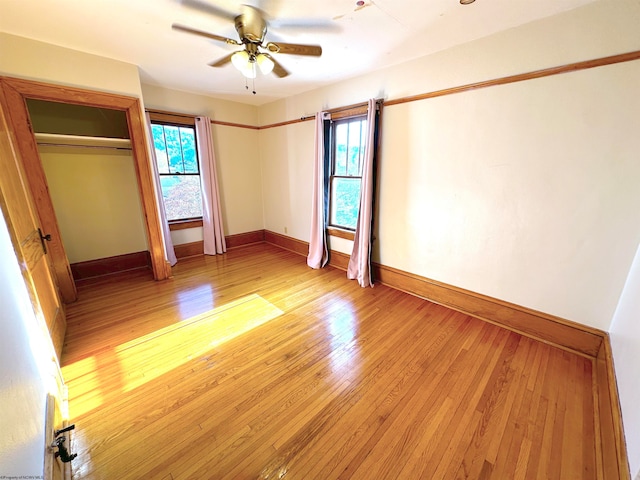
[55,139]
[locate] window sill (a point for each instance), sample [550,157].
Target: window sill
[339,232]
[184,224]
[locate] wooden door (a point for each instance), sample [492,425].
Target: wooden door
[24,227]
[36,183]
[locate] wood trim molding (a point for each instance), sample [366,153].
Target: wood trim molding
[237,125]
[339,232]
[541,326]
[288,243]
[146,185]
[233,241]
[339,112]
[287,122]
[184,224]
[242,239]
[192,249]
[109,265]
[187,119]
[545,72]
[339,260]
[358,110]
[611,453]
[168,117]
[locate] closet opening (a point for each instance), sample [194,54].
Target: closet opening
[90,171]
[89,176]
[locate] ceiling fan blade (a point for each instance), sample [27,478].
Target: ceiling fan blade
[222,61]
[305,24]
[278,69]
[206,7]
[294,49]
[212,36]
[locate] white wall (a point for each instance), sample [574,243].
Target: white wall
[22,387]
[287,169]
[160,98]
[86,237]
[524,192]
[625,342]
[30,59]
[237,157]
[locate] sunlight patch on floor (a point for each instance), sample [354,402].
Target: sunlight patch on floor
[151,356]
[92,380]
[82,378]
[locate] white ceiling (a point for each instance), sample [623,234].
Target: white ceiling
[354,39]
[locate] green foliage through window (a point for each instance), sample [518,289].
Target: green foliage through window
[177,158]
[347,156]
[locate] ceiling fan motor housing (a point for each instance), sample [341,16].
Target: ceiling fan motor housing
[251,26]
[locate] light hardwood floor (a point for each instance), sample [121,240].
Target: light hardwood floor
[252,365]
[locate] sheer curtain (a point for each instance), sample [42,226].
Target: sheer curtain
[318,251]
[169,252]
[359,267]
[214,241]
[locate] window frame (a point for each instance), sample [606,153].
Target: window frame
[337,230]
[179,120]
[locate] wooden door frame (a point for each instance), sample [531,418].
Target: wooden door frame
[17,91]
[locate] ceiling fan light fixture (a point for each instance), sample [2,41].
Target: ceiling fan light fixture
[265,63]
[242,62]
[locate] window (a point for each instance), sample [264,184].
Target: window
[177,158]
[347,154]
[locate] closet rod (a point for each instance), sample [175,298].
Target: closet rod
[54,139]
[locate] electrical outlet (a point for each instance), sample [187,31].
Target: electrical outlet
[286,230]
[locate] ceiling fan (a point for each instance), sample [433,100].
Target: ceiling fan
[256,53]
